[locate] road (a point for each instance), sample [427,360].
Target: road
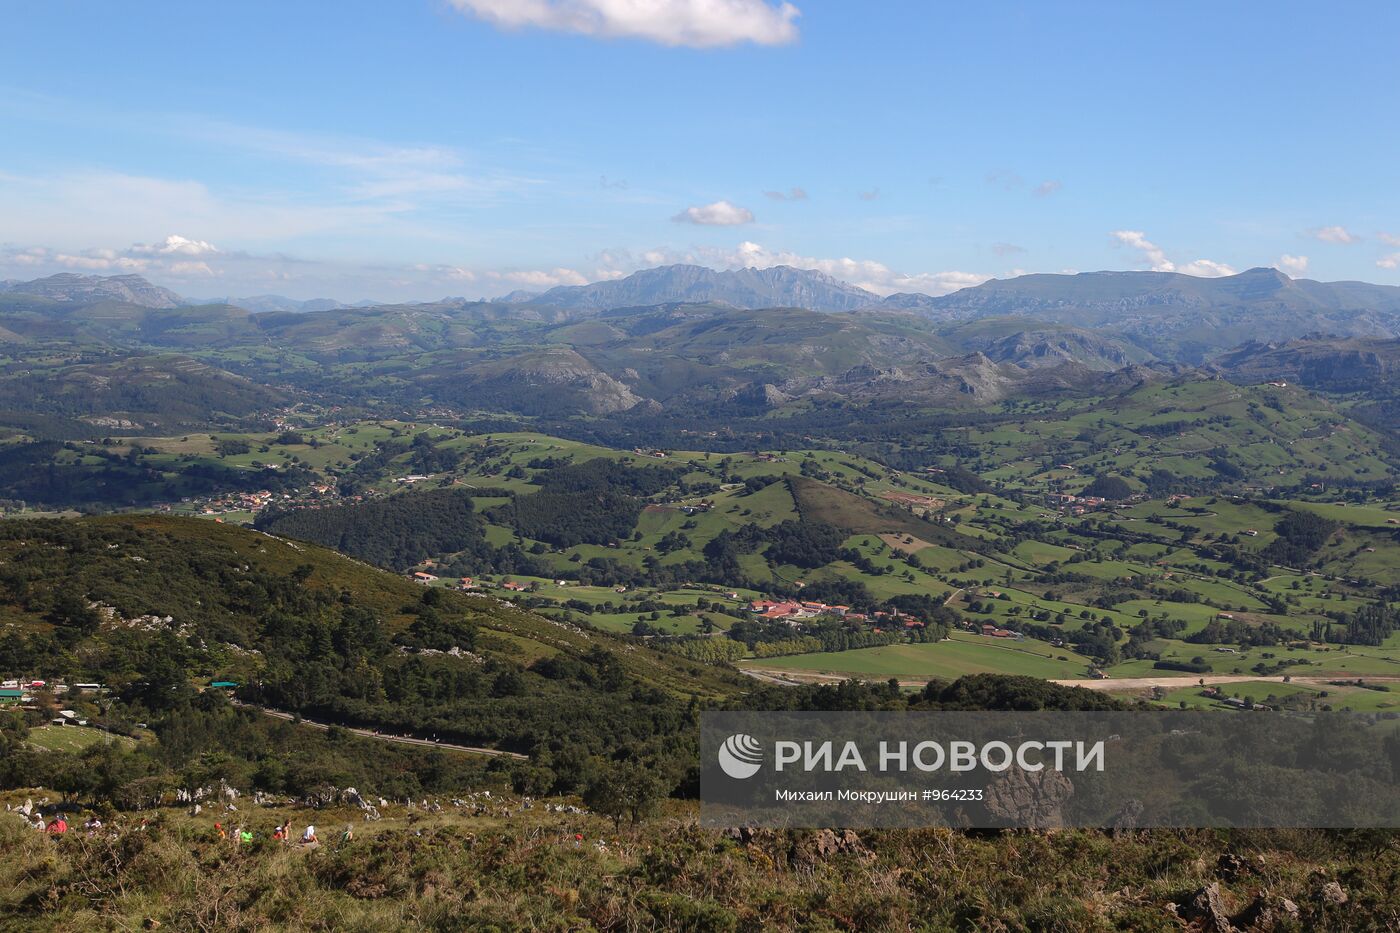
[398,739]
[1115,684]
[1143,683]
[770,678]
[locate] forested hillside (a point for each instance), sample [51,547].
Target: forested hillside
[158,608]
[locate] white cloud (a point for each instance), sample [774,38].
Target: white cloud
[869,274]
[1157,260]
[111,207]
[1335,234]
[540,278]
[1007,249]
[693,23]
[1389,262]
[176,257]
[871,195]
[1047,188]
[792,194]
[1206,269]
[446,273]
[99,261]
[1294,266]
[1153,253]
[718,214]
[1389,239]
[190,269]
[175,245]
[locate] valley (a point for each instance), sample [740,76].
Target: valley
[714,466]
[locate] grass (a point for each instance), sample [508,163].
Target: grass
[856,495]
[454,871]
[71,738]
[961,654]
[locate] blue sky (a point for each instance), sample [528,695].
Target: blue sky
[423,148]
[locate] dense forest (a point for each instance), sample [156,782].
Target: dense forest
[595,502]
[1300,536]
[397,532]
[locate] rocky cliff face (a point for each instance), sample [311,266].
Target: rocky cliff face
[1330,363]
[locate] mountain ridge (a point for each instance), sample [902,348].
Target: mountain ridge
[775,286]
[71,287]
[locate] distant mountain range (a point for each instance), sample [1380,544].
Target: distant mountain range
[1174,316]
[775,287]
[682,335]
[279,303]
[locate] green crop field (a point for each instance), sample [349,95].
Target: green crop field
[960,655]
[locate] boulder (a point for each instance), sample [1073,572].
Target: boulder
[1030,798]
[1206,907]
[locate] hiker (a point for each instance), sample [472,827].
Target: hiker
[348,835]
[245,836]
[58,826]
[93,826]
[219,828]
[309,837]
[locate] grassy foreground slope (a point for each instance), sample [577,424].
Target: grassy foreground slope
[513,869]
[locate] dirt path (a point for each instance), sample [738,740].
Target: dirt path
[398,739]
[770,677]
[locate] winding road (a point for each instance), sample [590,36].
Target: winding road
[398,739]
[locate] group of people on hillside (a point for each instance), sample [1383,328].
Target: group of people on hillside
[58,826]
[283,834]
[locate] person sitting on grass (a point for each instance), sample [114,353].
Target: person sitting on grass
[58,826]
[309,837]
